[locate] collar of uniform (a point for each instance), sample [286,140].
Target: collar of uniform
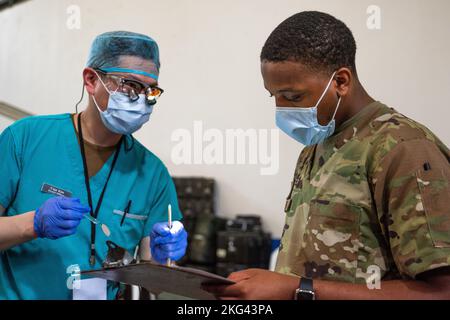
[366,111]
[343,132]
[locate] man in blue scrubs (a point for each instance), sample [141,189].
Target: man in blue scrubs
[56,170]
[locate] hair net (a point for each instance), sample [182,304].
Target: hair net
[108,47]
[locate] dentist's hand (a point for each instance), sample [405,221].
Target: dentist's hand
[168,243]
[59,217]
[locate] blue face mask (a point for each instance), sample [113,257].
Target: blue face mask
[122,115]
[302,124]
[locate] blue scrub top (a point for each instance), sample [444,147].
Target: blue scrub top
[45,149]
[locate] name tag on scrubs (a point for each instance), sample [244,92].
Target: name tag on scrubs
[46,188]
[89,289]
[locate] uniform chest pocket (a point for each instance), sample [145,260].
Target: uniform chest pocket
[331,240]
[132,216]
[131,226]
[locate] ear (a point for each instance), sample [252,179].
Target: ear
[344,78]
[90,79]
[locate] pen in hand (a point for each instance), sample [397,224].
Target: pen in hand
[169,212]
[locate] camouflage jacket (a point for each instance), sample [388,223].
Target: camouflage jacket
[375,196]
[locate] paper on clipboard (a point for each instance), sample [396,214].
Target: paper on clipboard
[158,278]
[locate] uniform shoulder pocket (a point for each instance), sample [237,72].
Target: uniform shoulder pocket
[434,190]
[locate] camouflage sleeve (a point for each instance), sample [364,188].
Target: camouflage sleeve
[410,186]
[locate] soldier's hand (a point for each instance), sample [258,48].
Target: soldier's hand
[256,284]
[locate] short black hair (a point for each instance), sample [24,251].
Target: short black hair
[315,39]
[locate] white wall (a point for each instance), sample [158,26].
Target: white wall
[210,70]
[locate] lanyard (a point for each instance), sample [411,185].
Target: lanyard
[94,213]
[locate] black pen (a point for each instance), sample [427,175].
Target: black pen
[125,212]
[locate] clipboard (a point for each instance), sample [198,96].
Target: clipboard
[158,278]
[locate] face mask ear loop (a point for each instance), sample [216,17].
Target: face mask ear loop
[337,107]
[96,104]
[104,85]
[325,91]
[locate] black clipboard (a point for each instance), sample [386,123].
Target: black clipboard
[158,278]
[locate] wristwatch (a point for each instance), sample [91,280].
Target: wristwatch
[305,291]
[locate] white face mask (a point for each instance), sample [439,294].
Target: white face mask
[122,115]
[302,124]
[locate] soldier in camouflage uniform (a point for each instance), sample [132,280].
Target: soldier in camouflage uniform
[370,201]
[376,193]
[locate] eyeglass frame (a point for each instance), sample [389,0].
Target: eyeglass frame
[144,85]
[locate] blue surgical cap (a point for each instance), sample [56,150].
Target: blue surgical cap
[108,47]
